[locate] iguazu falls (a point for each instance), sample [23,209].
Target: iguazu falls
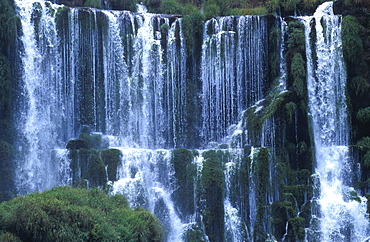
[169,120]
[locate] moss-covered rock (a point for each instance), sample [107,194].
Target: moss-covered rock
[77,144]
[213,184]
[112,159]
[185,172]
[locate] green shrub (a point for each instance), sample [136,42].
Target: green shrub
[298,73]
[164,28]
[363,115]
[289,5]
[296,35]
[171,7]
[358,86]
[211,11]
[74,214]
[351,41]
[192,27]
[364,144]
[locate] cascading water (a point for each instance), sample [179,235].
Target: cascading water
[145,177]
[125,75]
[340,218]
[43,121]
[237,47]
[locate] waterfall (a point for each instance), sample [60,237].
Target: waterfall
[44,122]
[237,49]
[340,218]
[126,77]
[145,177]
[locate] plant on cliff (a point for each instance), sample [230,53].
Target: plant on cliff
[351,41]
[74,214]
[213,185]
[185,172]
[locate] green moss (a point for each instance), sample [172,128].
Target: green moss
[96,169]
[296,35]
[185,171]
[351,41]
[262,170]
[297,228]
[112,159]
[212,182]
[192,27]
[298,73]
[194,234]
[274,51]
[71,214]
[77,144]
[290,108]
[94,141]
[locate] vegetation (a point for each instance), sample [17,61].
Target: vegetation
[351,42]
[8,83]
[185,172]
[213,189]
[75,214]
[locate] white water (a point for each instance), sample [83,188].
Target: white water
[43,119]
[236,78]
[341,219]
[145,178]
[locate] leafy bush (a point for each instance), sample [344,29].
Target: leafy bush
[71,214]
[171,7]
[298,73]
[192,27]
[296,35]
[358,86]
[289,4]
[211,11]
[351,42]
[363,115]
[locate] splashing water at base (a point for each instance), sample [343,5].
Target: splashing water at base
[342,215]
